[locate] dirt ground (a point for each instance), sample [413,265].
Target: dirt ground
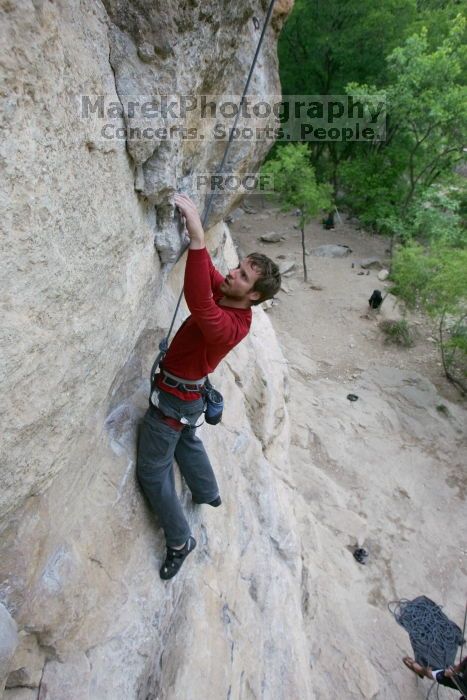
[386,472]
[334,321]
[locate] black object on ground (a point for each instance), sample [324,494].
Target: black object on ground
[360,555]
[328,223]
[352,397]
[376,299]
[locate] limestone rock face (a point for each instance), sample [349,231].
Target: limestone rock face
[80,276]
[265,606]
[85,299]
[187,53]
[8,643]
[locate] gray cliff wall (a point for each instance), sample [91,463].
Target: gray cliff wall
[85,298]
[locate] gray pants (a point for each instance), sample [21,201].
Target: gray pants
[158,444]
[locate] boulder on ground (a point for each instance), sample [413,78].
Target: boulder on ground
[391,308]
[371,264]
[332,251]
[383,275]
[272,237]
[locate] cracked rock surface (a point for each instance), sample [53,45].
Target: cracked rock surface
[271,604]
[85,298]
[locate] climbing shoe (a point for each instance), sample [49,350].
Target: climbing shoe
[175,558]
[215,503]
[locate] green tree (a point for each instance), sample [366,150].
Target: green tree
[295,184]
[436,16]
[327,43]
[428,105]
[426,129]
[435,279]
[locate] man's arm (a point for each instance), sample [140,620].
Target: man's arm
[200,274]
[196,234]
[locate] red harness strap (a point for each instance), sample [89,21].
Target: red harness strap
[171,422]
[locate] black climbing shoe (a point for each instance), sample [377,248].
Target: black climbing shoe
[215,503]
[175,558]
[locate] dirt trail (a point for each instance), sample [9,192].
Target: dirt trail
[334,322]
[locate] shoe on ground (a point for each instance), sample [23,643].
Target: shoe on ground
[175,558]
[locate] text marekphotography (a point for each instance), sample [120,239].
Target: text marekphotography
[220,117]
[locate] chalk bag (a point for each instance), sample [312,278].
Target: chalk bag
[214,406]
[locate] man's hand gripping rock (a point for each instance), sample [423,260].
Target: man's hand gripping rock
[192,219]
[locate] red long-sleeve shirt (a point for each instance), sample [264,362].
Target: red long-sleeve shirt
[211,331]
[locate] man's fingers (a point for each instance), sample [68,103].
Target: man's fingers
[183,200]
[185,205]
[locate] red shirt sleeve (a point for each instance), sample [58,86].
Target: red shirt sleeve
[201,278]
[216,277]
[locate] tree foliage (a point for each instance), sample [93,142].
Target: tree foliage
[409,185]
[328,43]
[436,279]
[426,129]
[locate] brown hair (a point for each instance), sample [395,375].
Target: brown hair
[270,281]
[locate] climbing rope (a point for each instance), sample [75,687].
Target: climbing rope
[434,638]
[164,344]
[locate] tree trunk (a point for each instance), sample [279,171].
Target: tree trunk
[305,274]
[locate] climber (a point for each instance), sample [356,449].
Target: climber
[220,318]
[443,676]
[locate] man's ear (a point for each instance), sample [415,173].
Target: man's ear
[254,296]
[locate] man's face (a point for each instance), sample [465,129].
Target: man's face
[240,281]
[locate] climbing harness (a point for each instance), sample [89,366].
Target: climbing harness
[164,344]
[195,385]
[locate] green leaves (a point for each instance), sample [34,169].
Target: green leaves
[435,278]
[324,45]
[414,52]
[295,181]
[426,130]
